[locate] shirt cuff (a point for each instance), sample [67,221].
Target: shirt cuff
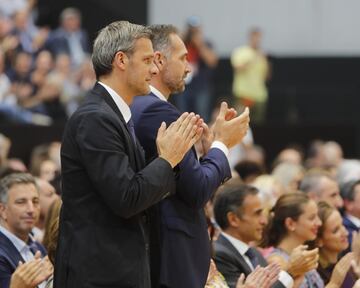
[221,146]
[286,279]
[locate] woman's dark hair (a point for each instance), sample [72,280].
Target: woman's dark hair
[288,205]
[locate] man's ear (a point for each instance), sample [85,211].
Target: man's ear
[159,60]
[3,213]
[233,219]
[120,60]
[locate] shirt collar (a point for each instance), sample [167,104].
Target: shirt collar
[157,93]
[119,101]
[240,246]
[354,220]
[18,243]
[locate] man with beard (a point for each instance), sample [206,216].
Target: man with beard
[184,242]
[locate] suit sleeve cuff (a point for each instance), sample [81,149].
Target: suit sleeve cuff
[286,279]
[220,145]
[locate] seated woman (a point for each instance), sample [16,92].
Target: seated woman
[332,240]
[293,221]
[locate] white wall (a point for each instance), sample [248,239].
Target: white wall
[291,27]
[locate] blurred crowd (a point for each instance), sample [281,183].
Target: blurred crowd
[300,215]
[44,73]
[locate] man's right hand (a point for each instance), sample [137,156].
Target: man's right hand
[302,261]
[32,273]
[173,143]
[230,131]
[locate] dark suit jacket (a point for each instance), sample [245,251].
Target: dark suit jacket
[9,259]
[103,239]
[350,227]
[185,247]
[231,263]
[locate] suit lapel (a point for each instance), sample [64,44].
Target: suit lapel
[135,149]
[350,224]
[239,258]
[11,252]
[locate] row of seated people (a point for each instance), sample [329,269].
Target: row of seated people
[297,227]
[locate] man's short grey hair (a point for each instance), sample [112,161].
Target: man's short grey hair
[115,37]
[160,37]
[14,179]
[312,181]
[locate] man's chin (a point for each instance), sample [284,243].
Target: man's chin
[178,90]
[144,91]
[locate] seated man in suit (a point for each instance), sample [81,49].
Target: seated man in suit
[239,212]
[19,212]
[183,230]
[350,192]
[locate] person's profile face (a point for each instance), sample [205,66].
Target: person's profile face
[335,235]
[176,65]
[307,225]
[141,67]
[253,219]
[330,193]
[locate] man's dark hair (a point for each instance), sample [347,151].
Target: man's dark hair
[248,168]
[231,199]
[347,190]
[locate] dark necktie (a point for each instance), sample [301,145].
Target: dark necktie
[250,253]
[130,125]
[33,247]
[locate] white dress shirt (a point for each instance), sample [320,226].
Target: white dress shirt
[354,220]
[120,103]
[242,247]
[22,247]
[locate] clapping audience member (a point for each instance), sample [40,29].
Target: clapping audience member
[332,241]
[239,212]
[19,212]
[292,222]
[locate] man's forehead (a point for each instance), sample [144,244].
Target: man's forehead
[143,46]
[177,43]
[252,202]
[23,190]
